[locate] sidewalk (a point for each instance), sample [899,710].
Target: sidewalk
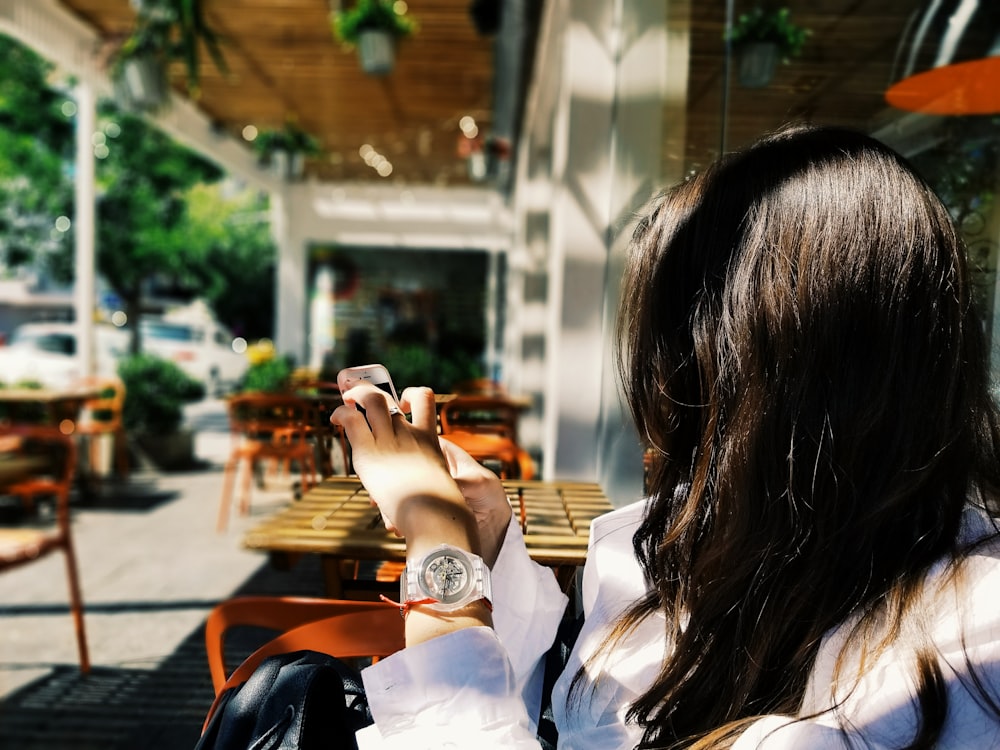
[152,565]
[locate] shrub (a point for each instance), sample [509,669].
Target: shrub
[268,376]
[156,390]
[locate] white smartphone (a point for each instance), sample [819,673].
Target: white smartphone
[377,375]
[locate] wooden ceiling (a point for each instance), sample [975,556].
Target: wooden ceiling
[284,65]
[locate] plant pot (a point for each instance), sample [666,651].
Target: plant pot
[376,52]
[286,165]
[141,84]
[168,450]
[757,63]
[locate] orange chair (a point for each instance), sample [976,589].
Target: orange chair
[103,416]
[56,454]
[479,387]
[266,426]
[340,628]
[486,428]
[324,397]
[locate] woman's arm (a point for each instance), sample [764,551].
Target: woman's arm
[407,477]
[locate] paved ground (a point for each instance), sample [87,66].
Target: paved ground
[152,566]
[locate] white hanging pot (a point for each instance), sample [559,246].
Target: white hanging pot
[142,84]
[376,52]
[280,161]
[757,63]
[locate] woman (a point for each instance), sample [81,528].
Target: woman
[815,563]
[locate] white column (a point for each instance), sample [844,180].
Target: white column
[84,289]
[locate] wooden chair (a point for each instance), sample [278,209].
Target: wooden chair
[324,397]
[103,416]
[340,628]
[266,426]
[486,428]
[56,456]
[479,387]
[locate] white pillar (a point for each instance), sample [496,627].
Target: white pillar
[84,289]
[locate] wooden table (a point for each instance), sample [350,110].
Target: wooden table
[336,520]
[60,408]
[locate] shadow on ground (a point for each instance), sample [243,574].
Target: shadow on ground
[137,709]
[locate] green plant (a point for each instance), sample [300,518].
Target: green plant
[268,376]
[767,25]
[169,30]
[156,390]
[415,364]
[366,15]
[290,138]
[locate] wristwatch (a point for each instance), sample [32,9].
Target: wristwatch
[446,578]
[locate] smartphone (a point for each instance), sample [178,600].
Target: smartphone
[377,375]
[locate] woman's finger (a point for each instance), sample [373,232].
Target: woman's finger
[419,401]
[376,405]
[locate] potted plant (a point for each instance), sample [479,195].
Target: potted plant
[165,31]
[761,38]
[373,27]
[284,150]
[156,390]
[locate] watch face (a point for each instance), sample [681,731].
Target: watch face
[446,577]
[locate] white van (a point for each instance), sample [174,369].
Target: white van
[46,353]
[205,349]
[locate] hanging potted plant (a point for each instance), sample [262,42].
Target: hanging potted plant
[373,27]
[284,150]
[760,39]
[165,31]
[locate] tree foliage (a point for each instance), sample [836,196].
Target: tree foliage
[36,145]
[161,218]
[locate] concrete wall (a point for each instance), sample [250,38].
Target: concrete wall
[590,158]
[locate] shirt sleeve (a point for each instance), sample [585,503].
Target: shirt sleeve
[527,608]
[454,691]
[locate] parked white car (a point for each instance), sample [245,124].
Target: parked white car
[46,353]
[205,349]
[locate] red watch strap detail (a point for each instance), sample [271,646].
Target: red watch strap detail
[404,607]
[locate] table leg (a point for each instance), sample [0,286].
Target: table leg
[332,576]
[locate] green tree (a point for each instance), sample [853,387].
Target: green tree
[236,256]
[156,220]
[142,214]
[36,145]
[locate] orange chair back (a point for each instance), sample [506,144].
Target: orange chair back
[483,414]
[341,628]
[103,416]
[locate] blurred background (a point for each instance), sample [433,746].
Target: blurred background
[250,184]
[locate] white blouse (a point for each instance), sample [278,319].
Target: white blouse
[480,688]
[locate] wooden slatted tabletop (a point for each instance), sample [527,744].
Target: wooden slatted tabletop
[337,520]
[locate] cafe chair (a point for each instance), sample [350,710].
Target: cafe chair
[479,387]
[324,397]
[341,628]
[266,427]
[103,416]
[53,457]
[486,428]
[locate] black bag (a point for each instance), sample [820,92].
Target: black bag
[304,700]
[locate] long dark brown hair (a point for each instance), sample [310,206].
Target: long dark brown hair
[800,348]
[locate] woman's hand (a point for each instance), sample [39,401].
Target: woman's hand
[484,493]
[403,468]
